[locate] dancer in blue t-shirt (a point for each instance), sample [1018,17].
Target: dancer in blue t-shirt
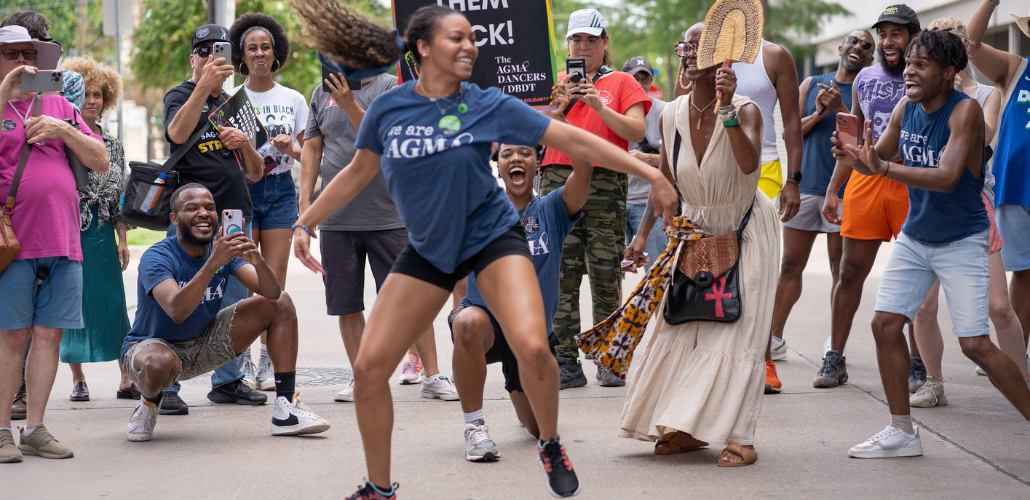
[478,337]
[431,138]
[945,235]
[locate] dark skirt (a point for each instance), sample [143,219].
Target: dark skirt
[103,300]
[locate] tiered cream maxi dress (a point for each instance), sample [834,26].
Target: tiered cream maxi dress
[707,378]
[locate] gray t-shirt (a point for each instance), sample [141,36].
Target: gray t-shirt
[372,209]
[640,189]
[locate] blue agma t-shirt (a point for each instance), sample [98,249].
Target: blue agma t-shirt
[547,225]
[437,165]
[165,260]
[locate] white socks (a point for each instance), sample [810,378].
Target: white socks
[28,432]
[903,422]
[471,418]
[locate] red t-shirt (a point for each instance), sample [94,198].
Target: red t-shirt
[619,91]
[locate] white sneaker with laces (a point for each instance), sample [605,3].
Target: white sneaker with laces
[888,443]
[248,370]
[142,422]
[478,445]
[265,375]
[295,419]
[439,387]
[929,395]
[778,349]
[347,394]
[411,371]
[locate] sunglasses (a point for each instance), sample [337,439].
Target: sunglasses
[203,51]
[12,54]
[684,48]
[852,40]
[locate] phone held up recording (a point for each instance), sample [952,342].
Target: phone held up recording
[232,221]
[848,130]
[45,80]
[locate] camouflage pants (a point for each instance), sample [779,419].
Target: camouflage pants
[594,247]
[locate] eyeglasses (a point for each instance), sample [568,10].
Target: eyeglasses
[684,48]
[589,43]
[202,51]
[12,54]
[851,40]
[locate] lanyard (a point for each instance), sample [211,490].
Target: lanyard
[24,119]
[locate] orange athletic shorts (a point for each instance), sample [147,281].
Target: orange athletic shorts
[874,208]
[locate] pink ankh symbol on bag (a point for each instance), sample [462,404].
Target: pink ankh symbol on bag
[720,293]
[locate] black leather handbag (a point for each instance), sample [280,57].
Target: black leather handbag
[706,281]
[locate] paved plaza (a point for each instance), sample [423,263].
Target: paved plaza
[976,447]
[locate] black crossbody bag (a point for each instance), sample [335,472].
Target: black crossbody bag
[149,187]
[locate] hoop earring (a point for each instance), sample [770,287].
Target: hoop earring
[276,66]
[244,70]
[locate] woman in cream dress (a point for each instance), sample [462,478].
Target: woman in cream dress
[702,382]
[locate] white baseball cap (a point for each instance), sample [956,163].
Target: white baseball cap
[47,53]
[588,21]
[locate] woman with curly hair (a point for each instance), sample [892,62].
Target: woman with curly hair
[103,296]
[431,138]
[260,50]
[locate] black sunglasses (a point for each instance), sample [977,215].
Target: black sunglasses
[12,54]
[851,40]
[203,51]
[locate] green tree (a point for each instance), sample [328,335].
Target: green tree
[67,27]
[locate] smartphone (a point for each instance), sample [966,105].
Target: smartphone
[45,80]
[576,65]
[232,221]
[222,49]
[351,84]
[848,130]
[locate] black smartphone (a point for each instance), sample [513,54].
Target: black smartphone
[351,84]
[576,65]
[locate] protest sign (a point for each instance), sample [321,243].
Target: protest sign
[238,112]
[515,40]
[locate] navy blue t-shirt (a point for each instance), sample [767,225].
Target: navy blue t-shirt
[164,260]
[437,168]
[547,225]
[934,217]
[817,163]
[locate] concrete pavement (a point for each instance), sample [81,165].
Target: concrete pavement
[977,447]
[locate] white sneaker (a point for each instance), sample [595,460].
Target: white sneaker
[478,445]
[439,387]
[411,371]
[248,370]
[142,422]
[778,349]
[295,418]
[980,371]
[929,395]
[890,442]
[265,375]
[347,394]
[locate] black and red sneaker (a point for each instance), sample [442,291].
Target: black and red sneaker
[562,481]
[369,492]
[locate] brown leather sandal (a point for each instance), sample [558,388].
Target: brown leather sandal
[749,456]
[672,445]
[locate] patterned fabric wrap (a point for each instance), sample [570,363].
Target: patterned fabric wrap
[612,341]
[104,190]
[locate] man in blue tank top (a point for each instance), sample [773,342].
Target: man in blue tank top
[945,235]
[822,97]
[1011,73]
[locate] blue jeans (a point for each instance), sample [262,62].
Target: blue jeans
[656,240]
[234,292]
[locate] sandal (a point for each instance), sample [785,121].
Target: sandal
[749,456]
[672,445]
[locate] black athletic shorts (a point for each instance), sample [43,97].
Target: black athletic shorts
[410,263]
[343,256]
[500,352]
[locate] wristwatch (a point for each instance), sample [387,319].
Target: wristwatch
[794,176]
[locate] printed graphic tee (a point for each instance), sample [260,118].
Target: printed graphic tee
[281,110]
[546,224]
[167,260]
[877,94]
[436,163]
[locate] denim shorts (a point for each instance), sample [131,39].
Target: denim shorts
[1013,221]
[656,239]
[43,292]
[963,268]
[275,202]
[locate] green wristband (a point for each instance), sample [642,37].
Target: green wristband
[731,123]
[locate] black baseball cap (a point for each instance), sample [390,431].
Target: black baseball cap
[899,14]
[210,33]
[637,64]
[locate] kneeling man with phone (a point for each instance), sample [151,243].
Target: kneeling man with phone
[181,331]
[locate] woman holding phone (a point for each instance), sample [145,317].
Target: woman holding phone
[260,48]
[432,138]
[611,105]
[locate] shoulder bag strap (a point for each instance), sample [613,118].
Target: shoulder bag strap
[181,150]
[743,224]
[37,105]
[676,144]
